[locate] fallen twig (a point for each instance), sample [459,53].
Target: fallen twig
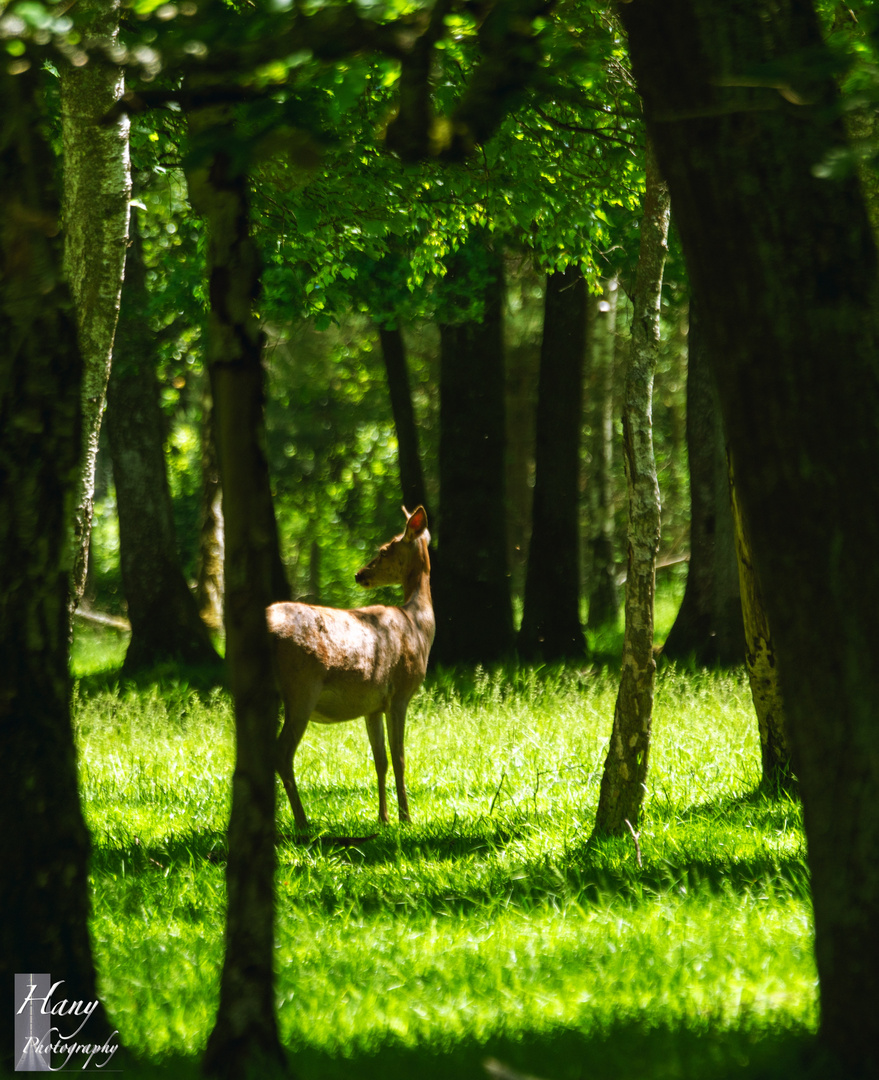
[99,617]
[500,785]
[635,837]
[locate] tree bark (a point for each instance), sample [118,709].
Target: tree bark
[604,598]
[761,660]
[411,476]
[209,588]
[789,276]
[44,843]
[708,629]
[97,191]
[625,769]
[521,373]
[165,623]
[244,1041]
[551,628]
[472,586]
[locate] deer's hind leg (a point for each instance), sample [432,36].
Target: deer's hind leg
[396,736]
[376,730]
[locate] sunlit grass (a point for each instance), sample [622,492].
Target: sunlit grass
[488,924]
[96,649]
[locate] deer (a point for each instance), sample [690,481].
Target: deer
[336,664]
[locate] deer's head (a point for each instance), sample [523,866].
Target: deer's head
[398,558]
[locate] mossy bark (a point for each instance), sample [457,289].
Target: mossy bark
[44,842]
[761,660]
[625,768]
[788,272]
[97,191]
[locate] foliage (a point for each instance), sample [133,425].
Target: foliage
[345,225]
[489,927]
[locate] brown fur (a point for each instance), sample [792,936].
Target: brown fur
[336,665]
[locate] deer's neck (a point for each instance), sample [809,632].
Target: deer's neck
[416,586]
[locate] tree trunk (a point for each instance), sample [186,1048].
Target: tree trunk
[44,843]
[472,591]
[97,190]
[209,587]
[789,279]
[522,368]
[244,1041]
[165,623]
[761,660]
[625,769]
[604,598]
[708,629]
[411,477]
[551,627]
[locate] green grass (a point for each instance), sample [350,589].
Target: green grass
[487,927]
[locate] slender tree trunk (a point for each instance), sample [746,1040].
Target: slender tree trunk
[472,594]
[209,588]
[97,190]
[522,368]
[165,623]
[411,477]
[604,599]
[44,843]
[625,769]
[789,278]
[708,628]
[244,1041]
[761,659]
[551,627]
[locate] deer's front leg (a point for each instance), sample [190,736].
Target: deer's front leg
[376,730]
[396,733]
[291,735]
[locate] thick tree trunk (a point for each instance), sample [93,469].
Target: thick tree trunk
[604,598]
[244,1041]
[165,623]
[761,660]
[411,477]
[625,769]
[472,586]
[551,628]
[44,844]
[789,279]
[97,190]
[708,629]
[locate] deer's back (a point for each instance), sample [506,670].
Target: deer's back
[359,658]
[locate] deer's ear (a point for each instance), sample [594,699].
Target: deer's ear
[417,523]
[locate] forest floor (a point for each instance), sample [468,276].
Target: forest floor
[486,930]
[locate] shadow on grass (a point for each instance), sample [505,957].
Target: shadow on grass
[169,678]
[609,864]
[591,871]
[194,849]
[626,1051]
[436,843]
